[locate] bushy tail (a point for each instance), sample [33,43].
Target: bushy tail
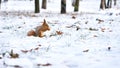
[31,33]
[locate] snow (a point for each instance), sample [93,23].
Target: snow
[83,43]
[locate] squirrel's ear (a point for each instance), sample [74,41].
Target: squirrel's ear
[44,21]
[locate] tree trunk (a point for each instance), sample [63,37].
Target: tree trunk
[103,4]
[76,7]
[5,1]
[0,3]
[109,4]
[63,6]
[73,3]
[115,2]
[37,10]
[44,4]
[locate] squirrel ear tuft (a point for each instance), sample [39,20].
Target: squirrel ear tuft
[44,21]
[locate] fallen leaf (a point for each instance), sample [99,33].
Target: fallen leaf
[47,64]
[14,55]
[59,32]
[36,48]
[24,51]
[73,17]
[86,50]
[109,48]
[95,36]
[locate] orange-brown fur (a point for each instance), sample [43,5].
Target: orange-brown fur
[39,30]
[31,33]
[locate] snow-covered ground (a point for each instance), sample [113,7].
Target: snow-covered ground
[84,42]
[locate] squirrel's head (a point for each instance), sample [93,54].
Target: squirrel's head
[45,25]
